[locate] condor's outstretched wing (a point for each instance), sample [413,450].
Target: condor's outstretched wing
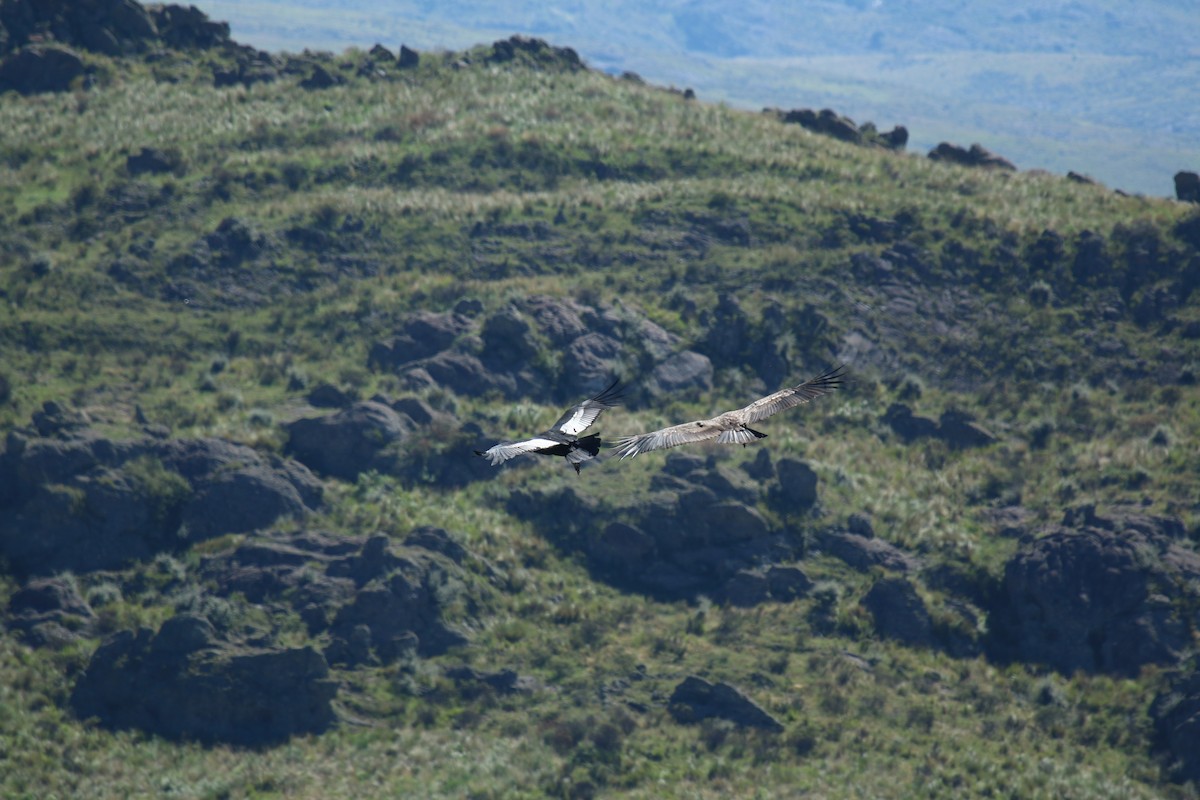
[791,397]
[499,453]
[687,433]
[578,419]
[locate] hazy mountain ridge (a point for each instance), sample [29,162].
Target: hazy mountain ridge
[949,71]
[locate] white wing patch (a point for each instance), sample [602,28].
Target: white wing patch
[579,419]
[499,453]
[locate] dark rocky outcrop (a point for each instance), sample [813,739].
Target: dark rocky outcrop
[864,552]
[40,68]
[50,612]
[505,681]
[1099,595]
[356,439]
[419,336]
[320,78]
[796,491]
[829,123]
[471,353]
[696,532]
[1175,713]
[956,428]
[975,156]
[185,682]
[687,372]
[1187,187]
[750,587]
[408,58]
[153,160]
[534,52]
[696,699]
[899,612]
[111,27]
[189,28]
[80,501]
[378,600]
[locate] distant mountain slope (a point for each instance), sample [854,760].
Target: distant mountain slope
[1101,88]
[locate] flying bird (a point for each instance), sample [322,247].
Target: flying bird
[732,426]
[562,438]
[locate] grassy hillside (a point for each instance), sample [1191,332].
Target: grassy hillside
[290,230]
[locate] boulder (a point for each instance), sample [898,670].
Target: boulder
[960,430]
[956,428]
[243,499]
[592,358]
[408,58]
[350,441]
[112,27]
[1092,263]
[183,682]
[899,612]
[901,419]
[152,160]
[320,78]
[50,612]
[686,372]
[534,52]
[975,156]
[326,395]
[40,68]
[826,121]
[559,319]
[83,502]
[1187,187]
[393,618]
[461,373]
[748,587]
[1099,595]
[509,340]
[505,681]
[419,336]
[797,488]
[1175,714]
[621,545]
[188,28]
[695,699]
[863,553]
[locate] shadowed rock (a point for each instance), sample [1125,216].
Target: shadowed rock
[862,553]
[695,699]
[975,156]
[1175,714]
[50,612]
[351,441]
[1187,187]
[899,612]
[183,682]
[40,68]
[83,502]
[1097,594]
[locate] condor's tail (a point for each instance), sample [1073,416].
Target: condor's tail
[584,449]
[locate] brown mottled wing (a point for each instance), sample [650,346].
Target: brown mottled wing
[793,396]
[687,433]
